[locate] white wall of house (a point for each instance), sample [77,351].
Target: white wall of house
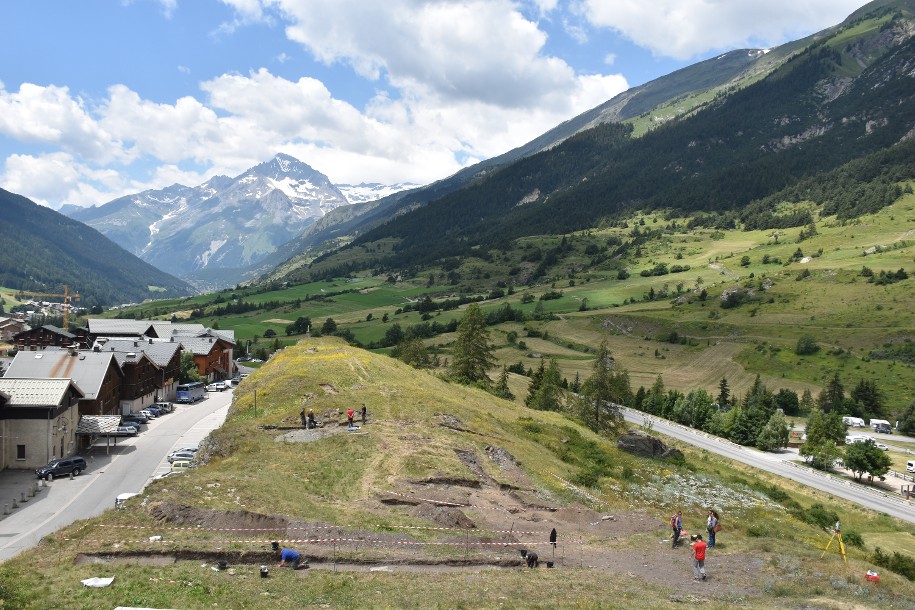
[42,440]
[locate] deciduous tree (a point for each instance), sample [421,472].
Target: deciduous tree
[775,433]
[865,457]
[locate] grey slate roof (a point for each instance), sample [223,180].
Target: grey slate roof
[104,326]
[86,369]
[199,345]
[160,352]
[35,392]
[59,331]
[98,424]
[164,330]
[161,329]
[225,335]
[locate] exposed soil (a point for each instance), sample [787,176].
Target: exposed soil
[470,525]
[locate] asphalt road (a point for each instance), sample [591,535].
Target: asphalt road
[780,465]
[127,467]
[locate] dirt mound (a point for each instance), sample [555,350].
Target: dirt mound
[445,516]
[178,514]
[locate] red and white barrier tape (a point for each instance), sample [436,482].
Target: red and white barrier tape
[326,540]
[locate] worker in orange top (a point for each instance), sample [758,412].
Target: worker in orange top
[698,557]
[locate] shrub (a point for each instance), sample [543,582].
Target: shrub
[806,345]
[853,538]
[901,564]
[817,515]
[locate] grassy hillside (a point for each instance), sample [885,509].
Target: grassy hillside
[42,250]
[864,328]
[439,491]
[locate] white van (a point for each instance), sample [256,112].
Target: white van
[854,422]
[910,466]
[875,423]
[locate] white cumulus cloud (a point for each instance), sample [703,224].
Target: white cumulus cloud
[684,28]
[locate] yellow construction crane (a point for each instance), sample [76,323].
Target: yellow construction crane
[66,296]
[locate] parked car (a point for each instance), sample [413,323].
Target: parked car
[121,498]
[164,407]
[62,467]
[883,429]
[882,446]
[910,466]
[126,431]
[136,417]
[149,414]
[178,456]
[132,424]
[181,465]
[216,387]
[186,450]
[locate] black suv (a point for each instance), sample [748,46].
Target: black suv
[60,468]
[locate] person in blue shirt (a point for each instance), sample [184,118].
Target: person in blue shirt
[289,557]
[676,524]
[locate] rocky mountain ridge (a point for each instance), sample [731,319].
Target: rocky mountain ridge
[225,223]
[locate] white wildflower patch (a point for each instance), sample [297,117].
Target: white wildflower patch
[699,490]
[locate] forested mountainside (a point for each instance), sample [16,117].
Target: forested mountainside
[833,124]
[41,250]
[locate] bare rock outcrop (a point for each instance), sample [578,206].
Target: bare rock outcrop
[641,444]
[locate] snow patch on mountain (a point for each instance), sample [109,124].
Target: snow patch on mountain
[370,191]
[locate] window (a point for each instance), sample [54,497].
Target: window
[20,452]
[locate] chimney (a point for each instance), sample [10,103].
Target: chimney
[131,355]
[136,344]
[150,340]
[97,348]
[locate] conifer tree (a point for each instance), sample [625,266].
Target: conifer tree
[603,390]
[502,389]
[549,395]
[472,355]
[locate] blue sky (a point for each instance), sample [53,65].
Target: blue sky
[109,97]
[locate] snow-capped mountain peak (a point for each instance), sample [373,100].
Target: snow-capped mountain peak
[225,222]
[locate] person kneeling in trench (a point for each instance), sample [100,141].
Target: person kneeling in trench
[291,558]
[532,560]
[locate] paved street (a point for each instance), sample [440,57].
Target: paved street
[781,465]
[126,467]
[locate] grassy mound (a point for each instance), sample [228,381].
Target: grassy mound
[449,484]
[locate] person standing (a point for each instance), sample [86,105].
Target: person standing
[364,413]
[310,419]
[676,524]
[349,417]
[699,558]
[711,526]
[302,417]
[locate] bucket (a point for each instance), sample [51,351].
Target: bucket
[265,572]
[523,552]
[549,564]
[222,565]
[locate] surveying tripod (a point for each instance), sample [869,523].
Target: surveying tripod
[837,533]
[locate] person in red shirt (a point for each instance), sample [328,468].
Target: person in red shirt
[698,557]
[349,416]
